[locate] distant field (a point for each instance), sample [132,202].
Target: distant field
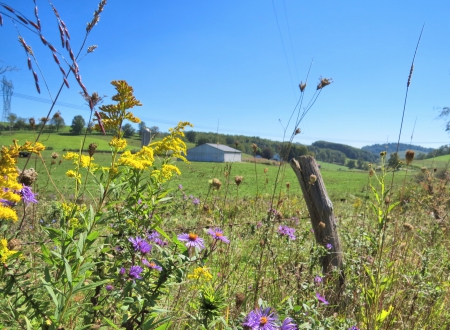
[340,182]
[438,162]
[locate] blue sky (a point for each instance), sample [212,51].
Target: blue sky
[234,67]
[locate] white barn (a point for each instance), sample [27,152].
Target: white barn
[210,152]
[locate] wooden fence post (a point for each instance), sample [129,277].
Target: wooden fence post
[321,212]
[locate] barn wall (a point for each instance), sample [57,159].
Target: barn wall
[205,153]
[231,157]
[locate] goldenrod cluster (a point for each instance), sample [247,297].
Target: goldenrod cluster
[79,160]
[166,172]
[141,160]
[172,145]
[118,144]
[9,185]
[201,274]
[113,115]
[4,251]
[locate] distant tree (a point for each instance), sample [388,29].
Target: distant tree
[78,124]
[360,163]
[128,130]
[394,160]
[141,127]
[58,121]
[155,130]
[90,127]
[203,140]
[11,119]
[267,152]
[190,136]
[351,164]
[229,140]
[20,123]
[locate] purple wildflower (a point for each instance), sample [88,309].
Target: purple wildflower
[259,225]
[27,195]
[139,201]
[109,287]
[321,299]
[261,320]
[140,244]
[353,328]
[155,238]
[6,202]
[122,271]
[287,231]
[134,272]
[190,196]
[192,240]
[318,279]
[180,186]
[151,265]
[329,246]
[288,324]
[217,234]
[196,201]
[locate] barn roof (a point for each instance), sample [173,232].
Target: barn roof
[221,147]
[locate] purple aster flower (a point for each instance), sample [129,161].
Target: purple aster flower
[288,324]
[6,202]
[190,196]
[259,225]
[180,186]
[318,279]
[196,201]
[155,238]
[192,240]
[27,195]
[329,246]
[109,287]
[122,271]
[139,201]
[217,233]
[261,320]
[287,231]
[184,197]
[140,244]
[322,299]
[151,265]
[353,328]
[134,272]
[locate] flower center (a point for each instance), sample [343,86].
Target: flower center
[192,237]
[218,234]
[152,264]
[263,320]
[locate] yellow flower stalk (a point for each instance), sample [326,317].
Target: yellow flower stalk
[201,274]
[4,251]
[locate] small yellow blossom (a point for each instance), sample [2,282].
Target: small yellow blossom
[172,145]
[141,160]
[119,144]
[4,251]
[7,213]
[73,174]
[201,274]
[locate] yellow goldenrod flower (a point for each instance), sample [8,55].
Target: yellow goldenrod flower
[141,160]
[172,145]
[4,251]
[7,213]
[119,144]
[73,174]
[201,274]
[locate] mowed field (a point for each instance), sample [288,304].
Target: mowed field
[259,179]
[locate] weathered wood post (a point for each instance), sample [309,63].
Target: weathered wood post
[321,212]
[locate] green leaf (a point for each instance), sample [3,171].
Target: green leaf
[93,235]
[80,288]
[68,271]
[391,206]
[111,323]
[50,291]
[382,316]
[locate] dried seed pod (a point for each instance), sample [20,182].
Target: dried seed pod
[28,177]
[288,185]
[34,25]
[238,179]
[408,227]
[22,19]
[56,58]
[255,147]
[66,82]
[297,131]
[312,179]
[43,40]
[14,244]
[1,20]
[55,155]
[216,183]
[371,172]
[409,156]
[53,49]
[38,88]
[302,86]
[92,149]
[383,153]
[29,64]
[322,225]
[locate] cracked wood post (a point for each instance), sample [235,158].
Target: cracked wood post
[321,212]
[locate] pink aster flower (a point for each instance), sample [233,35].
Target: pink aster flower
[192,240]
[217,233]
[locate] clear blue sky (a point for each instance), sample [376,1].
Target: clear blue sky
[234,66]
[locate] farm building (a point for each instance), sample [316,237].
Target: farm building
[210,152]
